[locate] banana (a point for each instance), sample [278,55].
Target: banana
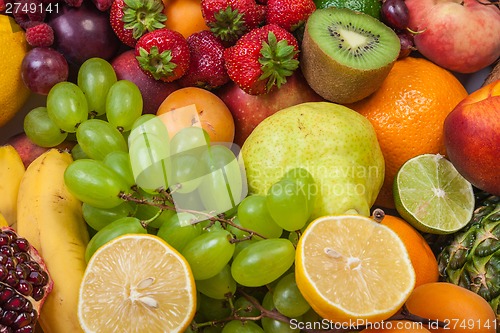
[51,219]
[11,172]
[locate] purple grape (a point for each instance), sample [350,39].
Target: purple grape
[42,68]
[395,14]
[83,33]
[407,45]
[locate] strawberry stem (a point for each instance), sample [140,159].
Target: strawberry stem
[143,16]
[278,61]
[160,65]
[229,24]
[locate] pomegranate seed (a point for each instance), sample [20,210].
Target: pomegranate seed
[8,318]
[34,266]
[16,303]
[10,233]
[28,307]
[22,256]
[37,293]
[3,259]
[22,244]
[11,263]
[26,329]
[22,320]
[4,239]
[25,288]
[3,273]
[6,250]
[12,279]
[22,271]
[6,294]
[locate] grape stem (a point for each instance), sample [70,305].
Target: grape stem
[217,218]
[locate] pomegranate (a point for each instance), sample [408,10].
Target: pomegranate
[24,283]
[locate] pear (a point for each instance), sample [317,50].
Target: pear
[337,145]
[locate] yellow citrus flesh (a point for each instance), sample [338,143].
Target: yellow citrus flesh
[14,93]
[353,268]
[137,283]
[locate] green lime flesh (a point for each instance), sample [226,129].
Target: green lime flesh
[431,195]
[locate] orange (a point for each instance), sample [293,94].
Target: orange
[349,268]
[396,326]
[14,93]
[422,258]
[462,310]
[200,107]
[184,16]
[408,113]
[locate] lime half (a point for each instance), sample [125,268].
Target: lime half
[430,194]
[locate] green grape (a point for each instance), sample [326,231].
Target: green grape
[123,226]
[143,119]
[254,215]
[210,226]
[119,161]
[263,262]
[147,211]
[149,156]
[222,187]
[95,77]
[212,329]
[67,106]
[294,238]
[245,308]
[176,234]
[98,218]
[186,172]
[287,204]
[41,130]
[239,246]
[123,104]
[306,183]
[189,138]
[272,325]
[213,309]
[208,253]
[77,152]
[93,182]
[219,286]
[238,326]
[287,297]
[99,138]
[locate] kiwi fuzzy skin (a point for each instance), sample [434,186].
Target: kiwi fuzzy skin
[335,82]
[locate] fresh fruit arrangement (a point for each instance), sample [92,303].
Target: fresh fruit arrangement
[271,166]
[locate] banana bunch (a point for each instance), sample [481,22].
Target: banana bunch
[51,219]
[11,172]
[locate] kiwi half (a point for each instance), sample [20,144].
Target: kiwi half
[346,55]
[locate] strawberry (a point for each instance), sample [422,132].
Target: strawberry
[130,19]
[262,59]
[163,54]
[230,19]
[206,67]
[289,14]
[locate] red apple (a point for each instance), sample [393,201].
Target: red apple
[29,151]
[154,92]
[459,35]
[472,138]
[249,110]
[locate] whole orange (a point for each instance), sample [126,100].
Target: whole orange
[408,113]
[422,258]
[184,16]
[461,310]
[198,107]
[14,92]
[396,326]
